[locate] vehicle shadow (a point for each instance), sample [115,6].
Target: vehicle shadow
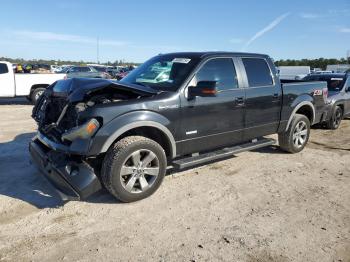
[102,197]
[14,101]
[21,180]
[274,149]
[319,127]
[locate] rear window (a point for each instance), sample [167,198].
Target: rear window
[334,83]
[258,72]
[3,68]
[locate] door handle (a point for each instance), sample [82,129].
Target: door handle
[239,101]
[275,98]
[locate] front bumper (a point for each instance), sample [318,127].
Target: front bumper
[73,179]
[78,146]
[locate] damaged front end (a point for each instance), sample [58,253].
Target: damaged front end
[67,123]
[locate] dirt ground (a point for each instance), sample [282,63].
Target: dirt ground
[264,205]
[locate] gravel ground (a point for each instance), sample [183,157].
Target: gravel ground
[264,205]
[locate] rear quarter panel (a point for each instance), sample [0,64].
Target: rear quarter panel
[296,93]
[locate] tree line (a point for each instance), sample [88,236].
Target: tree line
[313,63]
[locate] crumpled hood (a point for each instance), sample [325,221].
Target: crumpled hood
[77,89]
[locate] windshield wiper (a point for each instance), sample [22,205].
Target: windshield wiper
[142,84]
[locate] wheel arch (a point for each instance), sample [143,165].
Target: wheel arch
[36,86]
[305,108]
[341,105]
[150,129]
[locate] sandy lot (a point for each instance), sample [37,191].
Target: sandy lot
[264,205]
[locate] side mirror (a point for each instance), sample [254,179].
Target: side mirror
[203,89]
[347,89]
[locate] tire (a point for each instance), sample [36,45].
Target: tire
[128,157]
[336,118]
[34,97]
[292,140]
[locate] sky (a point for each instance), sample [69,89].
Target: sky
[135,30]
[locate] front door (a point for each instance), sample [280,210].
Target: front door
[212,122]
[347,97]
[7,81]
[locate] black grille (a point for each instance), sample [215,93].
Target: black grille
[47,112]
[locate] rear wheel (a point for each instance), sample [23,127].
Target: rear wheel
[133,168]
[336,118]
[296,137]
[36,94]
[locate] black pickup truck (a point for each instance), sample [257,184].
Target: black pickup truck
[179,109]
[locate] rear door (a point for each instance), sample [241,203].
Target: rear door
[263,98]
[7,81]
[211,122]
[347,97]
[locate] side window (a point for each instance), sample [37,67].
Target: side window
[3,68]
[258,72]
[85,69]
[221,70]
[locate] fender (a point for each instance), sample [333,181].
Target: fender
[340,103]
[106,136]
[297,107]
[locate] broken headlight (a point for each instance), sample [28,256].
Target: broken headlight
[84,131]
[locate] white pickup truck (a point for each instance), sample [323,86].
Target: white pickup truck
[29,85]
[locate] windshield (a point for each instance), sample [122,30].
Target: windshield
[163,72]
[335,83]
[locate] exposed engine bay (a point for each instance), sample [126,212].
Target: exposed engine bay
[59,109]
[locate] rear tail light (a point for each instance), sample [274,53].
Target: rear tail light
[325,94]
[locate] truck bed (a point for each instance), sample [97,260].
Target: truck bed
[294,90]
[24,82]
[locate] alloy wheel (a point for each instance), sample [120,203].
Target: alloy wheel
[38,95]
[337,118]
[300,134]
[139,171]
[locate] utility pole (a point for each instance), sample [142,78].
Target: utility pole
[98,50]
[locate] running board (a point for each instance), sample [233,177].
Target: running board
[221,153]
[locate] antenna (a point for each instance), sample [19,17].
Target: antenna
[98,50]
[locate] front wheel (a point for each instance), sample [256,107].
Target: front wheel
[336,118]
[36,94]
[133,168]
[296,137]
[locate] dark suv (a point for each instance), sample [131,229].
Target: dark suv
[338,96]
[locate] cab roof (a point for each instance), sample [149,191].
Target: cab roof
[329,75]
[214,53]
